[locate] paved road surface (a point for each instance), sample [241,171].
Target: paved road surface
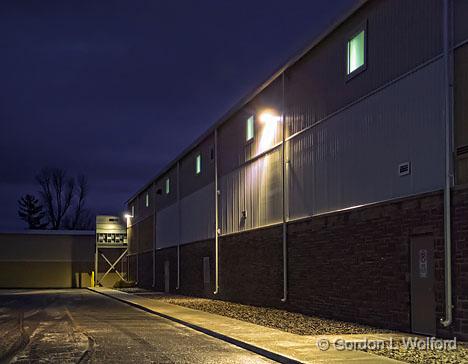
[78,326]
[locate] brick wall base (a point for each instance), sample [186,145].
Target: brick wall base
[352,265]
[145,269]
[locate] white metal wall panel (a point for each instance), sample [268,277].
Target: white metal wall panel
[353,157]
[166,227]
[198,215]
[254,188]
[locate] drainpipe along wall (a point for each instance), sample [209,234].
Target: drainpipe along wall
[283,182]
[216,291]
[179,221]
[448,170]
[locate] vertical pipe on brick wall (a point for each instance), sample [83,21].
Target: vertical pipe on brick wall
[136,228]
[154,235]
[283,182]
[216,291]
[179,235]
[448,174]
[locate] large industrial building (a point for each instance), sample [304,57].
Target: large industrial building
[338,188]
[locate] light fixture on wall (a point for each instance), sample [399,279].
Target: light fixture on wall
[270,121]
[269,117]
[128,217]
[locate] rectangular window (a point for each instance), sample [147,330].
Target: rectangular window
[356,52]
[198,164]
[147,199]
[133,210]
[168,186]
[250,129]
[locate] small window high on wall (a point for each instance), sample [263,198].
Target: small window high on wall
[250,129]
[147,199]
[167,186]
[198,164]
[356,53]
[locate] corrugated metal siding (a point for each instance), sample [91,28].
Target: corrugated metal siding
[197,219]
[353,157]
[145,234]
[234,150]
[401,35]
[189,180]
[163,200]
[197,214]
[254,188]
[461,112]
[142,211]
[132,238]
[167,227]
[460,24]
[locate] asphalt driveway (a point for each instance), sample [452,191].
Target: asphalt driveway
[79,326]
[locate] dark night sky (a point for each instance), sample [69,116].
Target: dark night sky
[116,89]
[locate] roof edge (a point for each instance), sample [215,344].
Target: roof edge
[246,99]
[48,232]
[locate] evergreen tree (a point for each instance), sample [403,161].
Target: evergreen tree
[31,211]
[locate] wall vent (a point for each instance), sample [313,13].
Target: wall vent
[404,169]
[463,150]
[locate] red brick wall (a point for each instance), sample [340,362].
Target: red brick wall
[132,268]
[191,260]
[169,254]
[460,261]
[351,265]
[251,268]
[145,269]
[355,265]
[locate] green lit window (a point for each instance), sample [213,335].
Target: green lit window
[147,199]
[356,52]
[198,164]
[168,186]
[250,129]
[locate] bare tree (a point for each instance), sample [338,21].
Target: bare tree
[81,192]
[80,218]
[57,191]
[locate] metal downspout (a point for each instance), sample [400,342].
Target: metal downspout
[448,175]
[216,291]
[178,225]
[283,182]
[154,235]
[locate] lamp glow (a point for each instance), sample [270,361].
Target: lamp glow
[267,117]
[270,121]
[128,217]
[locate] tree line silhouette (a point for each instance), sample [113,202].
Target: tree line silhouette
[61,203]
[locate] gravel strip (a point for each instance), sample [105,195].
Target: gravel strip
[422,356]
[295,323]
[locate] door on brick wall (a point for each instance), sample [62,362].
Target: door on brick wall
[166,276]
[423,317]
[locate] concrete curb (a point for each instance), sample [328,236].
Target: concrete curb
[242,344]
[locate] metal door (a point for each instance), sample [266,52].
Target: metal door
[423,318]
[166,276]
